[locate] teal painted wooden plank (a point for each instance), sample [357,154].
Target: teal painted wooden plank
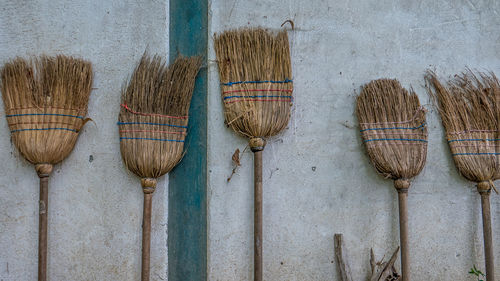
[187,200]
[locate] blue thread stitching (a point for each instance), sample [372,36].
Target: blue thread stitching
[394,128]
[257,82]
[142,123]
[123,138]
[225,98]
[396,139]
[65,115]
[481,153]
[450,141]
[44,129]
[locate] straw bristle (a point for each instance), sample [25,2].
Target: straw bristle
[45,101]
[469,108]
[393,128]
[153,117]
[255,73]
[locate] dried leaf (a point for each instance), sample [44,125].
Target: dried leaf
[236,157]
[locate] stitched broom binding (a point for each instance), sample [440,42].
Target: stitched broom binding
[160,134]
[393,128]
[256,80]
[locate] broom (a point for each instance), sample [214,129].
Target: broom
[153,124]
[394,132]
[45,102]
[469,108]
[255,73]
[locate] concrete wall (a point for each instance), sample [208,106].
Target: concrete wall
[95,204]
[317,180]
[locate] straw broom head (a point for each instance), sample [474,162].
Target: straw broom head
[469,109]
[45,102]
[255,73]
[154,114]
[393,128]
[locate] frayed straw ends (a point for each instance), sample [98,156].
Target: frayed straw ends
[393,128]
[45,101]
[255,73]
[469,106]
[153,117]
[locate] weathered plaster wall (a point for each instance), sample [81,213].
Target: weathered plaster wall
[317,180]
[95,204]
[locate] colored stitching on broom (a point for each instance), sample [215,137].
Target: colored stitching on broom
[38,114]
[406,143]
[228,102]
[44,129]
[472,131]
[26,123]
[230,97]
[49,107]
[152,131]
[257,82]
[450,141]
[122,138]
[399,122]
[420,140]
[151,114]
[259,90]
[481,153]
[147,123]
[384,133]
[394,128]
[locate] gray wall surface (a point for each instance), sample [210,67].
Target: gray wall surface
[95,207]
[317,179]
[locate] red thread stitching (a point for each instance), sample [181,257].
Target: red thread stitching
[258,90]
[152,131]
[257,100]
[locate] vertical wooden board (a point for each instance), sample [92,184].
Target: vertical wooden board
[187,207]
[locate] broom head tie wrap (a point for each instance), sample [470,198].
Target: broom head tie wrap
[148,185]
[402,185]
[257,144]
[486,186]
[43,170]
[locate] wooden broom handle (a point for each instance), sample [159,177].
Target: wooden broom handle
[484,189]
[402,188]
[148,187]
[257,146]
[43,171]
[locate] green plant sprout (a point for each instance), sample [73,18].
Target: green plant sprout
[476,272]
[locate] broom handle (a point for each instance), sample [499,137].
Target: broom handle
[484,190]
[148,187]
[257,238]
[43,171]
[257,146]
[402,188]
